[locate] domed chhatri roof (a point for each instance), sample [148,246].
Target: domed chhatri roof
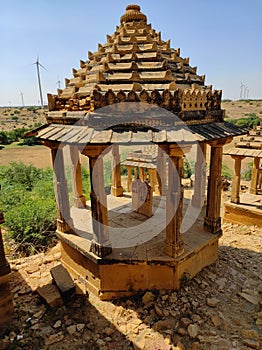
[135,64]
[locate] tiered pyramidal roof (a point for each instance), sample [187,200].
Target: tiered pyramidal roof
[135,64]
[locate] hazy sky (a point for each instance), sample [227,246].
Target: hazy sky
[223,38]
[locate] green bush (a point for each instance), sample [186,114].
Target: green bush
[226,172]
[249,122]
[246,175]
[28,201]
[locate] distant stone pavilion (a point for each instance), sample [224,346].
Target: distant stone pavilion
[247,207]
[136,90]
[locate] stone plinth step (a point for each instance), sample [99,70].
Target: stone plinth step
[63,281]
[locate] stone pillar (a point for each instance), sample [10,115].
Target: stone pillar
[255,176]
[213,220]
[199,196]
[116,188]
[174,245]
[6,301]
[152,178]
[64,221]
[129,178]
[142,174]
[235,198]
[161,173]
[100,246]
[79,200]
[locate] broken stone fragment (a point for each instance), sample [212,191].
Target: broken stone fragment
[63,281]
[50,294]
[251,343]
[148,297]
[193,330]
[212,302]
[253,299]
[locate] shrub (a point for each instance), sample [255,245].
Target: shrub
[28,200]
[247,175]
[226,172]
[249,122]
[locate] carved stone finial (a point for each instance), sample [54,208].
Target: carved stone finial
[133,14]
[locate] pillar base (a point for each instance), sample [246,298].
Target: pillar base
[174,250]
[253,191]
[79,202]
[235,200]
[117,191]
[65,226]
[213,225]
[101,250]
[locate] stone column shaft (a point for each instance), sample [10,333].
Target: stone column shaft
[129,178]
[161,173]
[152,178]
[213,219]
[235,198]
[199,196]
[116,189]
[100,245]
[64,221]
[255,176]
[174,245]
[78,197]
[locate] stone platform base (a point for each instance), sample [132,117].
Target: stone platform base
[113,277]
[247,212]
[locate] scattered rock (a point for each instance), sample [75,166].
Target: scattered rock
[54,338]
[32,269]
[195,346]
[253,299]
[212,302]
[251,343]
[250,334]
[185,322]
[71,329]
[216,320]
[182,331]
[57,324]
[259,288]
[164,324]
[148,297]
[80,327]
[100,342]
[158,311]
[109,331]
[193,330]
[12,336]
[221,282]
[179,346]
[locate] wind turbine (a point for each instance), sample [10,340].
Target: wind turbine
[58,83]
[22,97]
[37,63]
